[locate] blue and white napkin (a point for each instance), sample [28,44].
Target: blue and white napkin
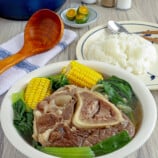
[9,77]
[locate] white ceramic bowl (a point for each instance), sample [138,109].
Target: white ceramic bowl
[148,109]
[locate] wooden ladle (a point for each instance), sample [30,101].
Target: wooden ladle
[42,32]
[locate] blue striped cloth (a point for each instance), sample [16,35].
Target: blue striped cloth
[9,77]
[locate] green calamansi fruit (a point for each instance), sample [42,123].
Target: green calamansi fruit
[81,19]
[71,14]
[82,14]
[79,15]
[83,10]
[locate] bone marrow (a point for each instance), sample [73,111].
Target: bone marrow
[93,111]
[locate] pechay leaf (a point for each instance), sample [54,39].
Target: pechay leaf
[111,144]
[58,81]
[23,119]
[118,90]
[68,152]
[19,109]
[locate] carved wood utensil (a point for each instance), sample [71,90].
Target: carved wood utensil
[42,32]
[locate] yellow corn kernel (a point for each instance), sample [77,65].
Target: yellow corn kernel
[36,90]
[81,75]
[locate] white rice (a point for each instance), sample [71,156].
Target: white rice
[128,51]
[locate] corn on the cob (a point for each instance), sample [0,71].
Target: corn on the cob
[36,90]
[81,75]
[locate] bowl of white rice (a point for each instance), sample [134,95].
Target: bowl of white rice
[128,51]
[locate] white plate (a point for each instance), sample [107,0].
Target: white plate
[92,18]
[151,77]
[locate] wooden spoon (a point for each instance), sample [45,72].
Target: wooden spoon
[42,32]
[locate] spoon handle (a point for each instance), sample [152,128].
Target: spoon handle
[10,61]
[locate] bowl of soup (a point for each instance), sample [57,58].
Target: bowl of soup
[89,109]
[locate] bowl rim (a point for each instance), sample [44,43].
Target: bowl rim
[142,135]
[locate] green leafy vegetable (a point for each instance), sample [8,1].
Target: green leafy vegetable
[104,147]
[111,144]
[23,117]
[20,95]
[119,92]
[67,152]
[58,81]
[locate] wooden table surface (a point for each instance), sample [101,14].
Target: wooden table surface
[142,10]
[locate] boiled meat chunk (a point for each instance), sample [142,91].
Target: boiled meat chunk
[93,111]
[74,116]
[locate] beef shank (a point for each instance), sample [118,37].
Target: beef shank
[74,116]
